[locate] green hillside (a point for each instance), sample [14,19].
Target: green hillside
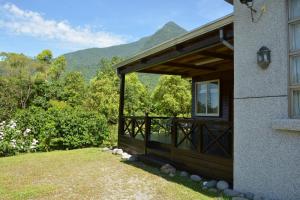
[86,61]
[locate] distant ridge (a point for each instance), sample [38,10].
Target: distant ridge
[86,61]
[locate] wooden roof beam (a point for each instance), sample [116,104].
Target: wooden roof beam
[164,73]
[191,66]
[217,55]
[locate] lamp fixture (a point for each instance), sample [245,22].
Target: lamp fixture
[264,57]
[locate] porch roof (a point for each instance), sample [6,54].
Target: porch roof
[204,50]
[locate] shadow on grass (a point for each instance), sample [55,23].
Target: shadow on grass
[185,181]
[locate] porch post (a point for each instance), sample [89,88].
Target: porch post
[147,131]
[121,107]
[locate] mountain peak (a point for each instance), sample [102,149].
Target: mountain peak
[171,24]
[87,60]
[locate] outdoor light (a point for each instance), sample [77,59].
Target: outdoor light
[264,57]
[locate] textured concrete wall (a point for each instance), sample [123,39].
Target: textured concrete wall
[266,161]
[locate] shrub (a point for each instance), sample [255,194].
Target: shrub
[64,128]
[13,140]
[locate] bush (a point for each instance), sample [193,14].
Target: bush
[13,140]
[64,128]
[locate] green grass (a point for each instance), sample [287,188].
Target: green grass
[89,174]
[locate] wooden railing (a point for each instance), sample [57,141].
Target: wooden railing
[212,137]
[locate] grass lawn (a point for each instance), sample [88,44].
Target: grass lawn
[89,174]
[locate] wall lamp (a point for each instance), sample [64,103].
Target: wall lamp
[264,57]
[249,4]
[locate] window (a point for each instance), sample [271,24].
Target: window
[208,98]
[294,54]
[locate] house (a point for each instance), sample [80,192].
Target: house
[245,124]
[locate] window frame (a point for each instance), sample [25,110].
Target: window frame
[196,98]
[292,53]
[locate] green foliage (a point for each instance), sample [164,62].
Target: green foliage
[8,99]
[57,67]
[137,97]
[65,112]
[45,56]
[73,88]
[103,93]
[20,71]
[172,96]
[64,128]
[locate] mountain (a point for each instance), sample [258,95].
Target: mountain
[86,61]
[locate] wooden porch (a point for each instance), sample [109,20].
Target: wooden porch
[203,143]
[202,146]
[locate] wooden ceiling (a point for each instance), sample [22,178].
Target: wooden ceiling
[217,58]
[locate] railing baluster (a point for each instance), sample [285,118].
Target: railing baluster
[147,131]
[132,132]
[174,132]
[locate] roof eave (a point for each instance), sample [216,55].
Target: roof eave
[214,25]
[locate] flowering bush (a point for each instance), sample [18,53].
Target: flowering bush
[14,140]
[64,128]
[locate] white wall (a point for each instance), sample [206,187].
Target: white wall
[266,161]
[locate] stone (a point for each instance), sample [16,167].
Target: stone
[212,190]
[196,178]
[171,175]
[249,195]
[184,174]
[117,151]
[222,185]
[125,156]
[231,193]
[210,184]
[167,169]
[239,198]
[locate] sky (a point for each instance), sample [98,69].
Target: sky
[29,26]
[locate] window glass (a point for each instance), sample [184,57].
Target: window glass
[213,98]
[295,8]
[296,70]
[295,33]
[207,102]
[296,103]
[202,92]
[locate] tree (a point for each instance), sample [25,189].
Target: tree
[21,72]
[8,99]
[57,67]
[103,92]
[137,98]
[172,96]
[73,88]
[45,56]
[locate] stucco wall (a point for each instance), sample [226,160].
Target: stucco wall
[266,161]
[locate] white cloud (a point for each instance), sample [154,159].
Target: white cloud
[24,22]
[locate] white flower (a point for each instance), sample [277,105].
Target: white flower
[13,143]
[33,144]
[26,132]
[12,124]
[34,141]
